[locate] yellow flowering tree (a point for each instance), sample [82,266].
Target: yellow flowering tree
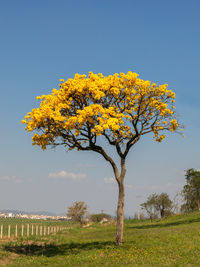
[120,107]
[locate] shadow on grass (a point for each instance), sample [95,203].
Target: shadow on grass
[51,250]
[164,224]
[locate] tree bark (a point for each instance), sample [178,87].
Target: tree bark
[120,214]
[162,213]
[120,205]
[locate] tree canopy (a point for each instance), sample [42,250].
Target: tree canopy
[119,107]
[191,191]
[77,211]
[149,207]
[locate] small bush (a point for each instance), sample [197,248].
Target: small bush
[99,217]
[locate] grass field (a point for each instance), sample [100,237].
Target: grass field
[174,241]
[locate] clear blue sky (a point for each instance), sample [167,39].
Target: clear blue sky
[43,41]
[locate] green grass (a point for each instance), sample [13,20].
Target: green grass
[173,241]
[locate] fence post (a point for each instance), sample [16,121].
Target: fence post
[40,230]
[36,232]
[48,230]
[27,229]
[1,231]
[32,230]
[44,230]
[16,230]
[22,230]
[9,231]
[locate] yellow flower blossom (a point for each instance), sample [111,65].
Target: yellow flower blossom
[101,104]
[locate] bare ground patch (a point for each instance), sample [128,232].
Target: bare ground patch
[8,259]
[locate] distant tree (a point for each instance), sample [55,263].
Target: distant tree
[119,109]
[149,207]
[77,211]
[163,204]
[158,204]
[191,191]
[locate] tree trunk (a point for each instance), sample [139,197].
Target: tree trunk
[120,212]
[162,213]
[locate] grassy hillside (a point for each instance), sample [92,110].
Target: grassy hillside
[171,242]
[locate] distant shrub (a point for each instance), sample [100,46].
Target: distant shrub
[99,217]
